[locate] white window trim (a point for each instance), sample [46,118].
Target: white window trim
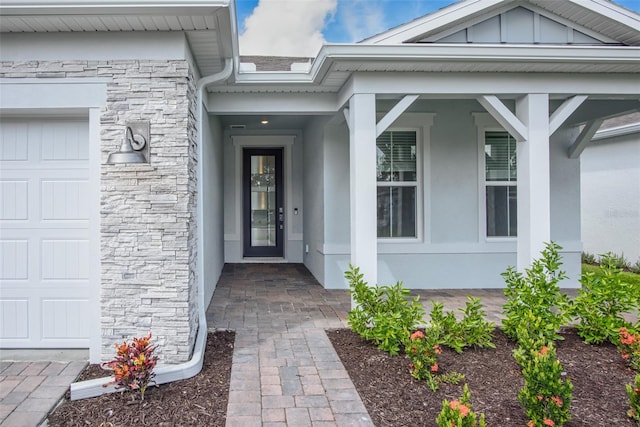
[420,123]
[486,123]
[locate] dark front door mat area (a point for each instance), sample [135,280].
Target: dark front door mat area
[198,401]
[394,398]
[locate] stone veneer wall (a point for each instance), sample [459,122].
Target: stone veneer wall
[148,212]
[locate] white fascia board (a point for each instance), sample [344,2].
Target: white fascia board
[617,131]
[463,54]
[483,53]
[118,7]
[611,10]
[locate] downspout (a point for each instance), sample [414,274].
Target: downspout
[182,371]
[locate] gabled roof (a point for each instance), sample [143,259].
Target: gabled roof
[601,18]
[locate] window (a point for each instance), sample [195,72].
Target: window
[500,176]
[397,177]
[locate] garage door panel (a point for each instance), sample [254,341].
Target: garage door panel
[65,259]
[65,318]
[12,142]
[64,141]
[64,199]
[14,199]
[45,243]
[14,318]
[14,259]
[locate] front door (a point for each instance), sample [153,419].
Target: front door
[263,208]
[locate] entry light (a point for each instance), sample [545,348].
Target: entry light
[131,150]
[264,121]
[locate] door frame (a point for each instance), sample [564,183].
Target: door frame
[276,251]
[233,236]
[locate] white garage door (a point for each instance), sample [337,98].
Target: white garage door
[44,233]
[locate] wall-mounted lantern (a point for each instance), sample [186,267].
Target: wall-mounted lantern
[135,145]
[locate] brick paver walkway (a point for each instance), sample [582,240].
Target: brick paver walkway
[30,389]
[285,371]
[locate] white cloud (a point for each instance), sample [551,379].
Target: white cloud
[362,18]
[286,27]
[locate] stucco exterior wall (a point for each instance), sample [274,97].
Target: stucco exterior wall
[147,212]
[611,197]
[213,219]
[313,196]
[453,251]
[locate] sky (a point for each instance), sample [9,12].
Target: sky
[300,27]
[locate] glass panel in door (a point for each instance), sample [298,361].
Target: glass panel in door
[263,202]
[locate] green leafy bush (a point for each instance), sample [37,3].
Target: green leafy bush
[546,396]
[537,291]
[458,413]
[633,391]
[472,331]
[601,302]
[383,314]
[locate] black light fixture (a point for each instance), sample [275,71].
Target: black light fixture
[134,145]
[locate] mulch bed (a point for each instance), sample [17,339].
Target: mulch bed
[394,398]
[198,401]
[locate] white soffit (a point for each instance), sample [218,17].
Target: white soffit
[203,21]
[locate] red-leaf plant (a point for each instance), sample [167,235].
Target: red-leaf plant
[133,366]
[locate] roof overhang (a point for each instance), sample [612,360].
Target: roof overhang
[336,63]
[209,25]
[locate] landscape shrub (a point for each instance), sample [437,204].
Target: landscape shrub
[383,314]
[588,258]
[633,392]
[635,268]
[628,343]
[133,366]
[537,291]
[602,301]
[546,396]
[423,350]
[458,413]
[473,330]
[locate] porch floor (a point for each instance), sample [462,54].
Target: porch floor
[285,371]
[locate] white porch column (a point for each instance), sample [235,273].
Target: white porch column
[362,175]
[534,193]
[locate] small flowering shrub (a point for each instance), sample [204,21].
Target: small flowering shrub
[472,331]
[633,391]
[458,413]
[601,302]
[537,291]
[546,396]
[423,350]
[133,365]
[629,347]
